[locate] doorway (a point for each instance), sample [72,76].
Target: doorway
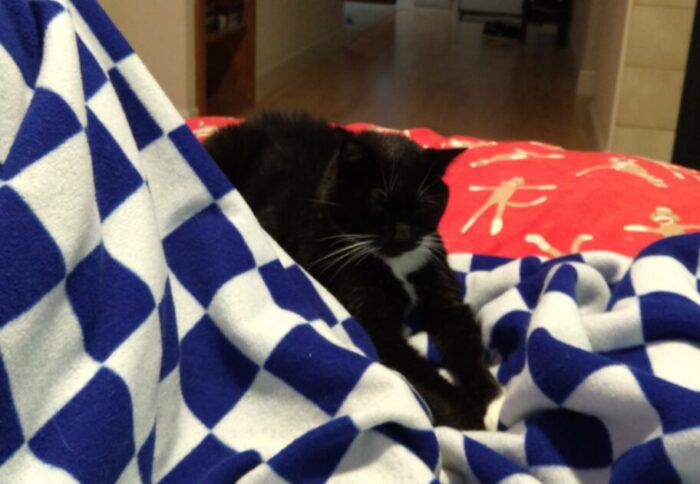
[687,147]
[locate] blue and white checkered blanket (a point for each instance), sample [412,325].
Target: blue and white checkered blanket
[151,332]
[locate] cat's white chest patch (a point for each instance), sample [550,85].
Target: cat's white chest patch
[406,264]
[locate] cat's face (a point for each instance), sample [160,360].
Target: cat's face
[390,192]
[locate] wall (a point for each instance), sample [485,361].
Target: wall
[162,33]
[584,43]
[636,51]
[584,32]
[653,73]
[611,18]
[288,31]
[578,36]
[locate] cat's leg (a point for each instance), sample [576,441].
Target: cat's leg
[455,332]
[450,405]
[380,311]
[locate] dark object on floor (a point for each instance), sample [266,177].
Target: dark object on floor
[501,32]
[548,12]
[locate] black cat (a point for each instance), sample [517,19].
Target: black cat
[360,212]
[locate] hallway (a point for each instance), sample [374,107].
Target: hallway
[421,67]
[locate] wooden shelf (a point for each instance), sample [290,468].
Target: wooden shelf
[225,60]
[225,34]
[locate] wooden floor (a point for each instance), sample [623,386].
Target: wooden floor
[424,68]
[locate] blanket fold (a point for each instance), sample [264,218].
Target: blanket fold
[150,331]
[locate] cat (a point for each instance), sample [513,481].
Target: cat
[360,212]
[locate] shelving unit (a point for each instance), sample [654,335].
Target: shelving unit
[225,56]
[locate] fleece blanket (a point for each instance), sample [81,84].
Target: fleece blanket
[150,331]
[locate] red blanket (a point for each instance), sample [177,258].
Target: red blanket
[516,199]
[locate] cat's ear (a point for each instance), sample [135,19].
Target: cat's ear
[441,159]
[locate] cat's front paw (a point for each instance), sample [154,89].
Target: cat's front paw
[482,387]
[471,419]
[456,410]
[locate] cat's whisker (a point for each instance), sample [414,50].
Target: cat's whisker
[347,240]
[432,240]
[338,243]
[339,256]
[432,255]
[436,255]
[349,236]
[341,259]
[324,202]
[354,258]
[422,190]
[342,251]
[394,177]
[386,186]
[338,270]
[368,253]
[431,246]
[437,237]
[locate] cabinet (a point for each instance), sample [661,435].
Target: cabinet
[224,56]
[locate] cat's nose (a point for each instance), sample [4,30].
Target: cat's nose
[402,233]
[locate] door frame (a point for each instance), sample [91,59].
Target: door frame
[686,150]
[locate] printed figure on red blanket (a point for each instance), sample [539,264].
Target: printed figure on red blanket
[500,198]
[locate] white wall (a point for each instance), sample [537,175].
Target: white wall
[286,30]
[651,84]
[162,33]
[584,32]
[637,50]
[612,23]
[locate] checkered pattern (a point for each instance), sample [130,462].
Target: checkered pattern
[150,331]
[599,358]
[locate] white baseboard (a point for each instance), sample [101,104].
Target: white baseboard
[283,73]
[585,85]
